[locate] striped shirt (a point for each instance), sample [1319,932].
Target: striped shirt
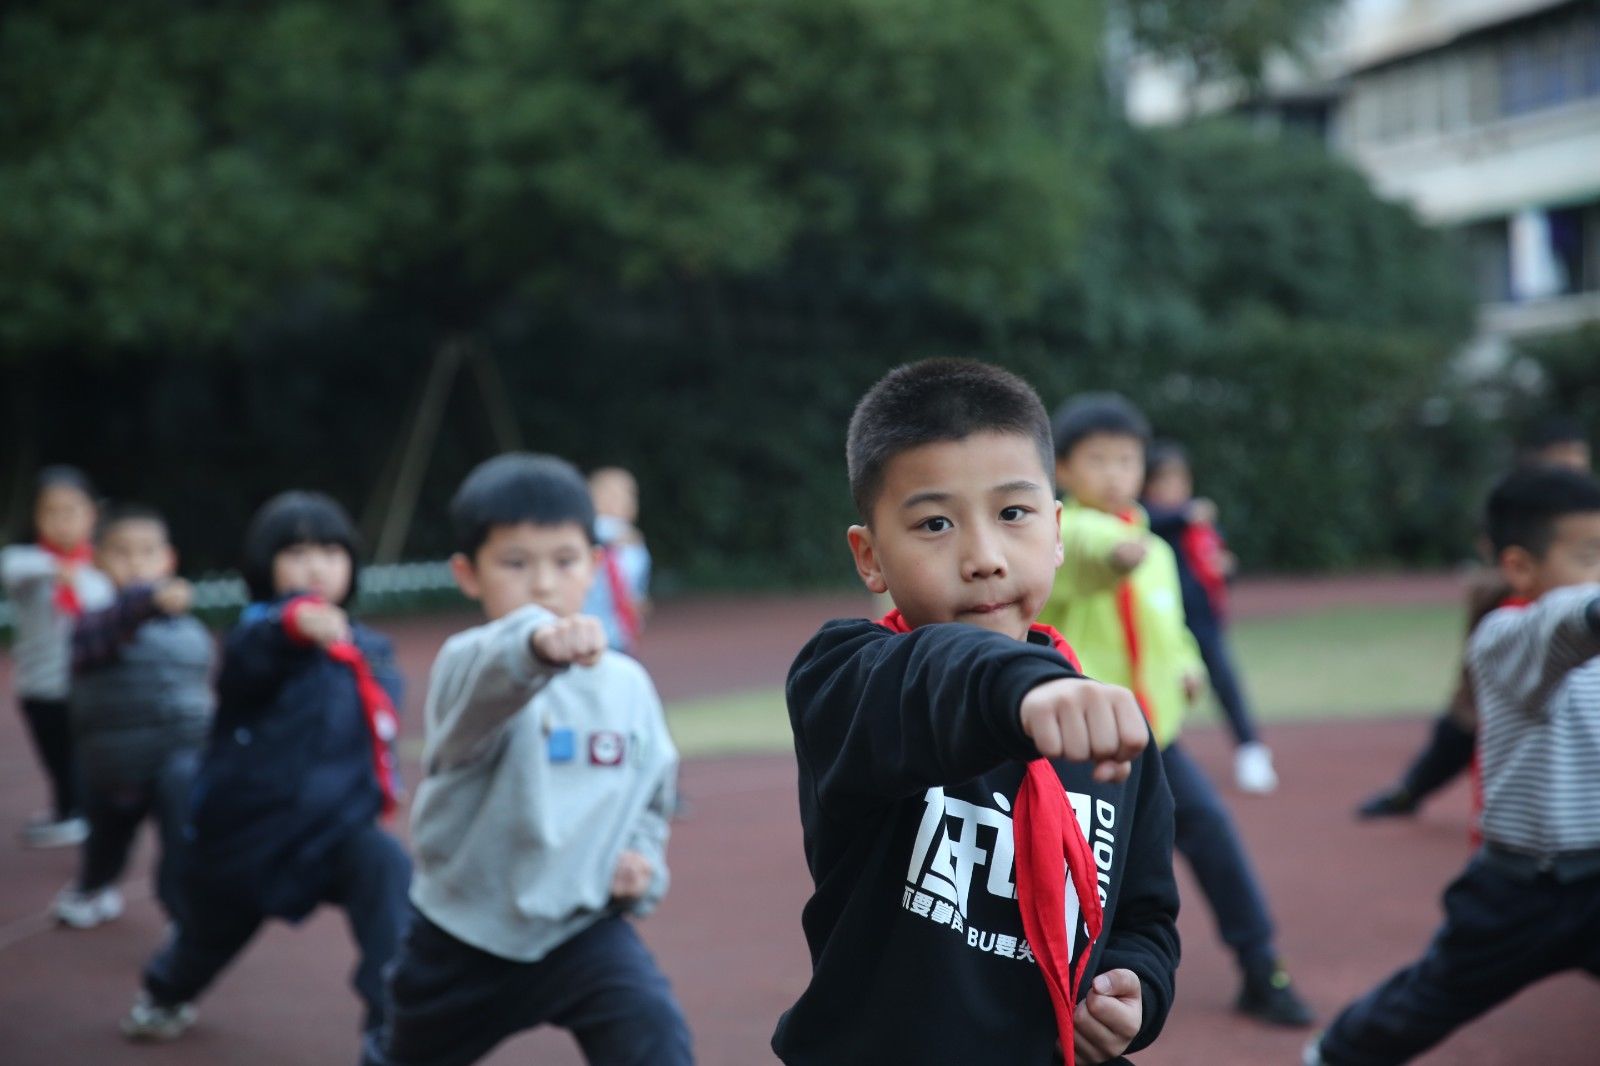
[1537,677]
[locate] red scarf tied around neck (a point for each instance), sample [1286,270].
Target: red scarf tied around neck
[382,723]
[1050,851]
[66,598]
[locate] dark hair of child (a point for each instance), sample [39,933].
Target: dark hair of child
[1525,506]
[115,515]
[1160,454]
[519,487]
[61,476]
[291,518]
[1550,431]
[1096,412]
[932,401]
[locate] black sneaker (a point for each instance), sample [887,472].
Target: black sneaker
[1269,996]
[1393,802]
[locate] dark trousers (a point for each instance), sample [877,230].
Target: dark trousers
[1205,835]
[115,812]
[369,877]
[1449,753]
[50,726]
[1501,933]
[450,1004]
[1212,640]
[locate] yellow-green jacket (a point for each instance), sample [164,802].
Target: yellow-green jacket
[1084,607]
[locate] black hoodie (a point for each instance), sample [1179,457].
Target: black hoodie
[910,753]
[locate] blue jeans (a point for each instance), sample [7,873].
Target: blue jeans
[1205,835]
[450,1003]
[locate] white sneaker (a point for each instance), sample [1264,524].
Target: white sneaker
[1252,769]
[85,910]
[1312,1055]
[47,831]
[149,1020]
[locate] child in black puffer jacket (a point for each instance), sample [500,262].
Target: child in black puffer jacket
[298,771]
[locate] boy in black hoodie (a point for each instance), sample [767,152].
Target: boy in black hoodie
[964,884]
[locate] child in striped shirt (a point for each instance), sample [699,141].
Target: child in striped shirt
[1528,905]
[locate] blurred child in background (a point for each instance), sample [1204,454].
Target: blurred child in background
[1555,441]
[298,772]
[620,595]
[50,583]
[541,824]
[1528,904]
[1117,602]
[1189,526]
[141,709]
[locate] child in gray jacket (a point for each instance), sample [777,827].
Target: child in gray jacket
[141,710]
[541,822]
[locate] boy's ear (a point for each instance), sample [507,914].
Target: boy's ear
[1061,549]
[1518,567]
[466,576]
[866,556]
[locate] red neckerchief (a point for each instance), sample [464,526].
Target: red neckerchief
[1127,615]
[621,598]
[1049,848]
[1475,771]
[376,706]
[66,597]
[1202,549]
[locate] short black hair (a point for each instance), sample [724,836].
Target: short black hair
[62,476]
[1096,412]
[117,514]
[931,401]
[1524,508]
[519,487]
[290,518]
[1550,431]
[1162,452]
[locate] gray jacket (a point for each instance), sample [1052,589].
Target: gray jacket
[42,650]
[151,696]
[537,778]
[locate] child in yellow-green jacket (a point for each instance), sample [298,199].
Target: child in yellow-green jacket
[1117,601]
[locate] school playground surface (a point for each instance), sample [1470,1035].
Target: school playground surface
[1352,901]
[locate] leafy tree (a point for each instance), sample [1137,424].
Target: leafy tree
[1224,40]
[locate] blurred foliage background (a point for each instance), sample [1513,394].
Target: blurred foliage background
[686,235]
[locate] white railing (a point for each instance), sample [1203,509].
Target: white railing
[384,589]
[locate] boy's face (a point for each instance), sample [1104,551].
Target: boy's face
[1103,471]
[616,495]
[1573,558]
[551,566]
[1169,485]
[323,570]
[64,516]
[136,552]
[964,531]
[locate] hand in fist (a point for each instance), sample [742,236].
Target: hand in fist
[173,596]
[321,623]
[632,877]
[1109,1017]
[1085,721]
[579,640]
[1125,557]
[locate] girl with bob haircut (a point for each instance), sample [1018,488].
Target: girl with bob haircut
[298,772]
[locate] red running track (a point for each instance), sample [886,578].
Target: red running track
[1352,902]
